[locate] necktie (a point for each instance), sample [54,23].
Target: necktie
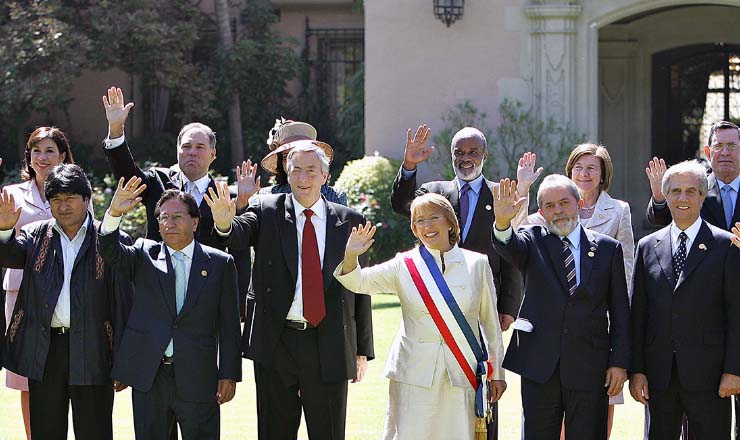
[312,282]
[464,206]
[679,258]
[727,204]
[179,289]
[570,266]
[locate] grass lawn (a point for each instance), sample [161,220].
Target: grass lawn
[366,407]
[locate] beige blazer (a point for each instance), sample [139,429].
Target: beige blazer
[417,344]
[611,217]
[33,209]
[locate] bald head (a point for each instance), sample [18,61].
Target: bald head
[469,133]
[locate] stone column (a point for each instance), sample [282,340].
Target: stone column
[552,45]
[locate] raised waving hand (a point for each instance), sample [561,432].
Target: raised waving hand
[9,214]
[223,207]
[416,147]
[116,111]
[127,196]
[247,183]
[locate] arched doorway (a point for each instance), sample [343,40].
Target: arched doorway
[693,86]
[663,76]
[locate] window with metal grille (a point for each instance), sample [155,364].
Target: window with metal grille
[332,56]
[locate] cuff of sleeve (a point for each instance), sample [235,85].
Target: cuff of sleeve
[5,235]
[110,223]
[351,278]
[222,234]
[498,374]
[113,143]
[406,174]
[503,236]
[658,205]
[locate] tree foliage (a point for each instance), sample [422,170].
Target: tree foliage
[41,56]
[169,48]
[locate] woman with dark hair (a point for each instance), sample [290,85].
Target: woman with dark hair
[46,148]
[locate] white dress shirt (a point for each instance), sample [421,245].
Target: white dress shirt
[70,249]
[196,189]
[319,223]
[692,231]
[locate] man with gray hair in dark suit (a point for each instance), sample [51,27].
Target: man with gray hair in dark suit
[686,331]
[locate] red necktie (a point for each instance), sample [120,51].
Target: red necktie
[312,281]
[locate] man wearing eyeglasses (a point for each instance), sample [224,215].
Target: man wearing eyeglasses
[720,207]
[180,349]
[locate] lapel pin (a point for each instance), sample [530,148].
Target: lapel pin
[702,246]
[204,273]
[590,254]
[488,207]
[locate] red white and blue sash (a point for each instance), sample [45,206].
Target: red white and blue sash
[452,325]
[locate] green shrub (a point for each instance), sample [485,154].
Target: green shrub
[368,183]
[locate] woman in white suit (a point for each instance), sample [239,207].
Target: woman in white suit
[46,148]
[430,395]
[590,167]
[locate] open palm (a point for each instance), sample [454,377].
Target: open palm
[223,208]
[416,147]
[360,240]
[506,203]
[116,111]
[9,214]
[126,197]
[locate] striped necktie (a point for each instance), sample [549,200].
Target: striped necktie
[570,266]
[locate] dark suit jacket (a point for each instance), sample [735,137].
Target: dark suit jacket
[206,329]
[99,303]
[157,181]
[699,318]
[711,211]
[346,331]
[585,333]
[508,280]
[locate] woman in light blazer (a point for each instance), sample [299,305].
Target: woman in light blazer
[46,148]
[590,167]
[430,396]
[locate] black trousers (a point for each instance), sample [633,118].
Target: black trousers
[92,405]
[156,411]
[709,416]
[545,405]
[293,384]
